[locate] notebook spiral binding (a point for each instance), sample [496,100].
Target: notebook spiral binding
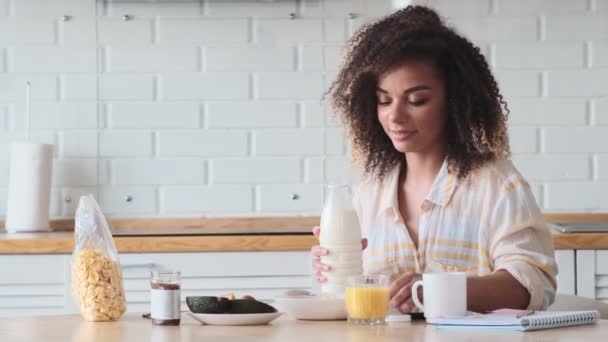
[560,320]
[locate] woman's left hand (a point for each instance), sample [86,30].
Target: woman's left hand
[401,292]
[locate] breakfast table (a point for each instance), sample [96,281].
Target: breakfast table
[132,327]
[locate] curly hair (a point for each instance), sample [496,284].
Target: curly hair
[476,130]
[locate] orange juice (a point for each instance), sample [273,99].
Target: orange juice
[367,303]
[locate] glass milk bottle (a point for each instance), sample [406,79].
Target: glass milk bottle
[341,236]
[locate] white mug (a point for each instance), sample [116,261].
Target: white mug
[444,294]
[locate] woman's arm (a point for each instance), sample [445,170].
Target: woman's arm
[496,291]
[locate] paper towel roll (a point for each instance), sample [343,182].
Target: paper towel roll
[29,188]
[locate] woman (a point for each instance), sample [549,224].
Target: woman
[428,125]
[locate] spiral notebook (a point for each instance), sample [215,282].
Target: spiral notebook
[520,320]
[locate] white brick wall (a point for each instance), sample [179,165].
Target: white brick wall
[518,83]
[507,28]
[601,111]
[78,144]
[209,86]
[76,33]
[75,172]
[136,200]
[53,59]
[549,58]
[157,172]
[250,59]
[44,87]
[543,55]
[126,144]
[588,27]
[274,9]
[78,87]
[142,59]
[213,107]
[126,87]
[576,139]
[213,199]
[235,114]
[71,115]
[578,83]
[153,115]
[541,6]
[275,86]
[36,8]
[137,32]
[289,142]
[524,139]
[14,31]
[547,112]
[314,170]
[554,167]
[563,196]
[289,31]
[280,198]
[217,143]
[599,54]
[258,170]
[197,31]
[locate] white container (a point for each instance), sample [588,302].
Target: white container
[29,188]
[341,236]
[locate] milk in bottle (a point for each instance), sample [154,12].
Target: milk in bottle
[341,236]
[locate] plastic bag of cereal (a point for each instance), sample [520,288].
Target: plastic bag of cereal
[96,276]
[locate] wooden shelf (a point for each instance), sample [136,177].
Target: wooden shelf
[248,234]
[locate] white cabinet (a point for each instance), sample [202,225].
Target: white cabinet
[32,285]
[260,274]
[40,284]
[592,274]
[566,277]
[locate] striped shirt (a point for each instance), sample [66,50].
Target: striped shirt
[490,221]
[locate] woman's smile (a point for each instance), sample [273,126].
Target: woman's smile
[402,134]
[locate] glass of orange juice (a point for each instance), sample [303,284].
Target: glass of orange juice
[367,299]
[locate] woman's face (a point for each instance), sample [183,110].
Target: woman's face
[411,106]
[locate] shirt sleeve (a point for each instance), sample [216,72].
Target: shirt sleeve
[521,243]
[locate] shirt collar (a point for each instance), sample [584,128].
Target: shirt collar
[443,187]
[389,191]
[440,194]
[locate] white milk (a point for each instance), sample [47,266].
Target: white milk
[341,235]
[340,227]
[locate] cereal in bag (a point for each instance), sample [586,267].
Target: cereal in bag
[96,276]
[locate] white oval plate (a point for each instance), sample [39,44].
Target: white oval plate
[236,319]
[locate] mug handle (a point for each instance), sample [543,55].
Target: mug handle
[415,287]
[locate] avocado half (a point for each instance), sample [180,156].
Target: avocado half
[205,304]
[248,306]
[220,305]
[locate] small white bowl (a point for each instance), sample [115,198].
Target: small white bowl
[314,308]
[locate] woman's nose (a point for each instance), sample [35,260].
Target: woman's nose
[398,113]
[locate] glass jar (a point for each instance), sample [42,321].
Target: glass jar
[165,297]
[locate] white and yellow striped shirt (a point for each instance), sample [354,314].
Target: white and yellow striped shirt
[488,222]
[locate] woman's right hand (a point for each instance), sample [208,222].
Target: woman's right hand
[318,251]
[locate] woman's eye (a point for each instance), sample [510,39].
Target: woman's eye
[384,102]
[418,102]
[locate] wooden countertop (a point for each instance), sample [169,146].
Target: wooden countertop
[132,327]
[62,243]
[231,234]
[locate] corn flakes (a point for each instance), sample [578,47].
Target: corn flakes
[97,286]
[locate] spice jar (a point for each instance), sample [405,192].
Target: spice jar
[165,297]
